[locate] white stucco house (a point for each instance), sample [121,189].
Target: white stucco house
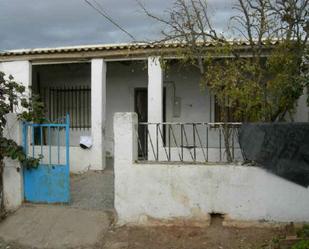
[101,87]
[91,83]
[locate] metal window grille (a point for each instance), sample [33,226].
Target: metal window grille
[76,101]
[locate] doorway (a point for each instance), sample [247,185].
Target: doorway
[141,108]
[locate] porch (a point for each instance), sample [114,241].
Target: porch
[92,91]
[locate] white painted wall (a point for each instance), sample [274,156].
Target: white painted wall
[20,70]
[145,193]
[123,78]
[12,172]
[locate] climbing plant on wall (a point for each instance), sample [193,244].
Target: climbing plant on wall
[15,98]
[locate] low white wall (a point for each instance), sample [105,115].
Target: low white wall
[150,192]
[12,174]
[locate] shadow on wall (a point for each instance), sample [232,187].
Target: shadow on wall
[281,148]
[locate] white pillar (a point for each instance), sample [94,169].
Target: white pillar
[155,102]
[155,90]
[98,113]
[12,173]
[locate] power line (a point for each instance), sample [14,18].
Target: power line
[100,10]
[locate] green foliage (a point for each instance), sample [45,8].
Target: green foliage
[304,232]
[13,98]
[303,244]
[255,78]
[258,88]
[8,148]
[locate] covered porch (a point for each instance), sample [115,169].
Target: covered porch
[93,91]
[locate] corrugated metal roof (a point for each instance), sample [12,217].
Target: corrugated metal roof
[104,47]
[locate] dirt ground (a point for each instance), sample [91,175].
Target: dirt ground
[213,237]
[178,238]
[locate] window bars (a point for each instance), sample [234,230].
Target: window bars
[73,100]
[188,142]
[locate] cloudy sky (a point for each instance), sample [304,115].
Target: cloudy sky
[50,23]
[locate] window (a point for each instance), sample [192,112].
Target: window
[76,101]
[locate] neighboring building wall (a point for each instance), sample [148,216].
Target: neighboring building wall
[154,193]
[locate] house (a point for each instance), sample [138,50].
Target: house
[91,83]
[102,86]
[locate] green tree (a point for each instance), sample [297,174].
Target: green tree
[260,71]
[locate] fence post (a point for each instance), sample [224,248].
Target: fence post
[13,193]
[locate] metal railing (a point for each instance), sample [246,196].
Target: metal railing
[50,141]
[188,142]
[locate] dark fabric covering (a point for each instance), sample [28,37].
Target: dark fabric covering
[281,148]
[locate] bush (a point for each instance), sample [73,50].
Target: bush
[304,232]
[303,244]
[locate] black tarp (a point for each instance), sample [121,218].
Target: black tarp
[281,148]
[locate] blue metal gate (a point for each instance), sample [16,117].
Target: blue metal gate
[50,182]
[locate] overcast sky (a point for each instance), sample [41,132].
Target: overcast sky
[50,23]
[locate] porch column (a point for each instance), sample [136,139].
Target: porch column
[155,101]
[98,113]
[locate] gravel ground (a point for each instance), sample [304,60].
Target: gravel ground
[93,190]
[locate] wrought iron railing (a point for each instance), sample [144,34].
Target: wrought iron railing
[188,142]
